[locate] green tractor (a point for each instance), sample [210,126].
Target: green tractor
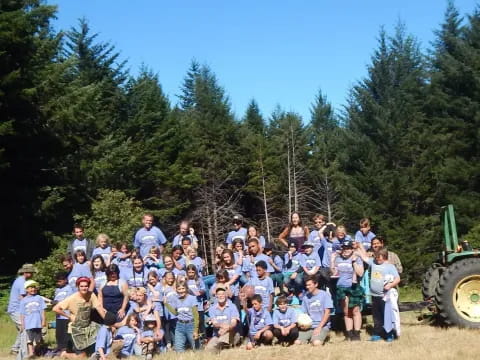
[452,284]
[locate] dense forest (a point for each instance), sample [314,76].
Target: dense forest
[82,140]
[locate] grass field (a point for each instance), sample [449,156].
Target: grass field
[418,341]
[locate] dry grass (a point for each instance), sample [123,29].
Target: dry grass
[418,341]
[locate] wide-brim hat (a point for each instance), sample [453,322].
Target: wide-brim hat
[27,268]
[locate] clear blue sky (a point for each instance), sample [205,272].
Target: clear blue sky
[278,52]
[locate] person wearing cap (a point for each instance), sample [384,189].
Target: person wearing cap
[80,306]
[148,236]
[32,315]
[349,293]
[239,231]
[224,318]
[148,337]
[17,293]
[309,260]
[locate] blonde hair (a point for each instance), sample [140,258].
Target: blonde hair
[102,236]
[341,229]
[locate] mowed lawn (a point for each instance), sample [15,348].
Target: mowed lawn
[418,341]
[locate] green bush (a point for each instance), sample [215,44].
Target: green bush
[112,213]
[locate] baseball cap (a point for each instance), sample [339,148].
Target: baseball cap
[347,244]
[307,244]
[150,318]
[238,217]
[292,244]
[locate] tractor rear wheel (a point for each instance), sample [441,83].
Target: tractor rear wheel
[430,280]
[458,293]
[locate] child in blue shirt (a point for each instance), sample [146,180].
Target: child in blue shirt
[103,342]
[292,270]
[384,277]
[309,260]
[148,338]
[103,248]
[260,323]
[62,291]
[285,322]
[129,334]
[348,292]
[184,307]
[32,315]
[196,287]
[263,285]
[364,235]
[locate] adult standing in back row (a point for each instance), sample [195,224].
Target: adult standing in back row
[80,242]
[294,232]
[239,232]
[148,236]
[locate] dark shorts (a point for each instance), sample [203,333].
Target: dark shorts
[34,336]
[355,295]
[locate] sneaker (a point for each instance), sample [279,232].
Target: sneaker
[390,338]
[375,338]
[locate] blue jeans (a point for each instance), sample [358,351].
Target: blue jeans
[184,334]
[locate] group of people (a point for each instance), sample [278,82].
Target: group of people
[139,299]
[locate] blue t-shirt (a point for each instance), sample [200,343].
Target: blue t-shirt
[79,245]
[184,307]
[366,240]
[315,238]
[286,318]
[104,339]
[198,262]
[105,252]
[223,316]
[16,293]
[293,265]
[315,306]
[258,320]
[213,289]
[249,262]
[234,234]
[197,285]
[177,240]
[232,272]
[62,294]
[78,271]
[346,270]
[170,294]
[156,300]
[146,238]
[129,336]
[328,248]
[124,265]
[134,278]
[380,275]
[148,333]
[264,288]
[277,260]
[100,279]
[32,307]
[310,261]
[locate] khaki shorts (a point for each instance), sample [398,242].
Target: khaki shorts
[306,336]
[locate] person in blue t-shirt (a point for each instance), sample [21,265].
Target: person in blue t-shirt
[260,323]
[317,304]
[148,236]
[285,322]
[129,333]
[103,248]
[384,277]
[292,270]
[185,231]
[224,318]
[239,231]
[276,262]
[17,293]
[32,315]
[349,293]
[184,307]
[103,342]
[263,285]
[77,267]
[149,338]
[62,291]
[309,260]
[316,234]
[364,236]
[255,255]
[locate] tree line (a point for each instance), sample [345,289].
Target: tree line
[81,139]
